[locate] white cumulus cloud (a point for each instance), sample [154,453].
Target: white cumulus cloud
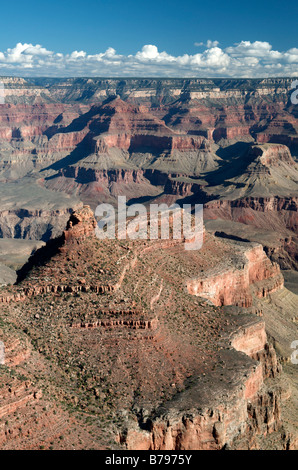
[244,59]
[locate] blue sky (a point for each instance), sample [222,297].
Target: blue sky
[177,28]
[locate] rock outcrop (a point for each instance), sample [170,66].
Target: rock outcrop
[250,410]
[235,281]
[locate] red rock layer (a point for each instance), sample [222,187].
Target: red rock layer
[231,286]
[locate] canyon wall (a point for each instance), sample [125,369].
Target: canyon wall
[251,409]
[251,273]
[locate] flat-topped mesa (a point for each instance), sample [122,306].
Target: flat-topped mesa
[81,225]
[272,154]
[237,280]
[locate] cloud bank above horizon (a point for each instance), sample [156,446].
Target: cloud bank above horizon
[244,59]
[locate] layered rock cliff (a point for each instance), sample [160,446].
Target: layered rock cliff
[236,414]
[235,281]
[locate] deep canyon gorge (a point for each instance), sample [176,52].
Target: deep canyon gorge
[140,344]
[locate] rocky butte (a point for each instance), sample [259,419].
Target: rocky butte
[121,344]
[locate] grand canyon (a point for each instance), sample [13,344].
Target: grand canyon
[141,344]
